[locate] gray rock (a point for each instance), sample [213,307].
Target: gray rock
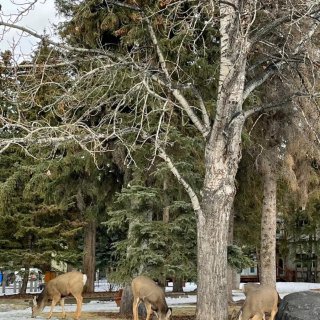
[303,305]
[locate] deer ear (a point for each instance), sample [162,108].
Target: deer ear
[169,313]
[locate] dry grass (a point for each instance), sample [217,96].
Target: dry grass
[181,313]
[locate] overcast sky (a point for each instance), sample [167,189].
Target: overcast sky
[40,18]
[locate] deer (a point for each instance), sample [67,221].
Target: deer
[70,283]
[147,291]
[250,286]
[259,300]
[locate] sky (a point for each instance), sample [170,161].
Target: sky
[39,18]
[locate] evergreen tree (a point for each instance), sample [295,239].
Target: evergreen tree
[155,69]
[106,32]
[86,187]
[33,233]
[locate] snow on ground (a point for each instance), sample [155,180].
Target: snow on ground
[21,311]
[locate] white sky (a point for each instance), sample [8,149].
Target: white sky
[40,19]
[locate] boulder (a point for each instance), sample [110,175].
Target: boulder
[304,305]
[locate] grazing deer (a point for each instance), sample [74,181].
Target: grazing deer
[259,300]
[247,287]
[70,283]
[146,290]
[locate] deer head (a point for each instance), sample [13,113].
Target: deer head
[38,304]
[147,291]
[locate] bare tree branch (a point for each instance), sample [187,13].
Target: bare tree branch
[57,44]
[193,196]
[176,92]
[290,17]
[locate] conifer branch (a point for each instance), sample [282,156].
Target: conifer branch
[123,5]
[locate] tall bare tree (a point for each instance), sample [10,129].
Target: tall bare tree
[127,91]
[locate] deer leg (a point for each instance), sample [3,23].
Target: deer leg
[55,300]
[62,306]
[149,310]
[135,306]
[79,306]
[273,313]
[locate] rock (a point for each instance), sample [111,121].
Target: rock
[303,305]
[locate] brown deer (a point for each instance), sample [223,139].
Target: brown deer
[70,283]
[259,300]
[247,287]
[147,291]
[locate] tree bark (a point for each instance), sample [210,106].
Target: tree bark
[222,156]
[166,203]
[126,302]
[25,279]
[230,271]
[89,254]
[177,285]
[268,225]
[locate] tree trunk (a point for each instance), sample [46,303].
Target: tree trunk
[212,260]
[25,279]
[89,254]
[166,203]
[222,156]
[126,302]
[268,225]
[177,285]
[230,271]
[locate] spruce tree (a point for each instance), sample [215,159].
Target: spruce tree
[137,84]
[33,233]
[86,187]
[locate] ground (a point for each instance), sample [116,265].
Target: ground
[98,305]
[19,307]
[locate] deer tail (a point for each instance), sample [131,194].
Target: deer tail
[84,279]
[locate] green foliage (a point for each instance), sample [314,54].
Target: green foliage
[237,259]
[248,204]
[151,245]
[299,231]
[31,230]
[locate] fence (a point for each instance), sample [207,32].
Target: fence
[15,287]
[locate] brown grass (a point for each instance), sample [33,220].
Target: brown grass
[181,313]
